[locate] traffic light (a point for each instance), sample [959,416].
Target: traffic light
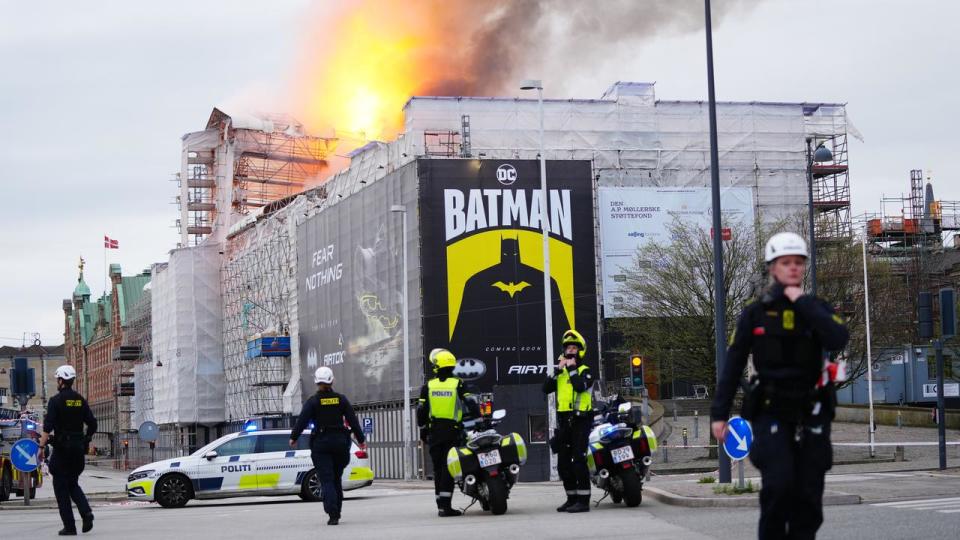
[636,370]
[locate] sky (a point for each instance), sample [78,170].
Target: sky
[95,97]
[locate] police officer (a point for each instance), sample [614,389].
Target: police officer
[572,383]
[67,413]
[439,415]
[788,333]
[329,439]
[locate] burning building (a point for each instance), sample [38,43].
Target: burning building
[316,277]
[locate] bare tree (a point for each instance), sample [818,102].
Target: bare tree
[669,298]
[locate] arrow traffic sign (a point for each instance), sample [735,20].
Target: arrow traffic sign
[739,438]
[25,455]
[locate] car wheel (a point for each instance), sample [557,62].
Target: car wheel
[6,484]
[310,489]
[173,491]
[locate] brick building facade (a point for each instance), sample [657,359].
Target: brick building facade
[93,332]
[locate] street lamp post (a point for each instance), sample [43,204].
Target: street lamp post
[719,296]
[407,429]
[537,85]
[820,155]
[866,303]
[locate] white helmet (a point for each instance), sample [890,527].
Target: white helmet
[785,243]
[323,375]
[66,373]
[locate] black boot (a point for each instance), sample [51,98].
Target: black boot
[67,532]
[449,512]
[570,501]
[334,520]
[582,504]
[87,523]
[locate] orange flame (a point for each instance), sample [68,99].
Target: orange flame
[365,63]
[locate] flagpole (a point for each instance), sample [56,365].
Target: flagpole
[106,271]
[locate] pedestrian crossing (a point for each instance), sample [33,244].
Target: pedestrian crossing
[947,505]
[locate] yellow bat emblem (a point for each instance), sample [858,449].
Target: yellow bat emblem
[511,288]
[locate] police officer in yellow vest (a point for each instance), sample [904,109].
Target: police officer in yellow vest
[572,383]
[439,414]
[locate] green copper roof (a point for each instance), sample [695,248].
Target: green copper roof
[129,291]
[81,289]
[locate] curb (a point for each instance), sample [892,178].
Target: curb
[751,501]
[49,503]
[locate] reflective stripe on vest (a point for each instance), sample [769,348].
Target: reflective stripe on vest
[444,401]
[567,399]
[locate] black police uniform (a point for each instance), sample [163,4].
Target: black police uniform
[441,435]
[67,412]
[329,443]
[570,441]
[790,416]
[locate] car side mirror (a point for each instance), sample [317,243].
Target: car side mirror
[210,455]
[499,414]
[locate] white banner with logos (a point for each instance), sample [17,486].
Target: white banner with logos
[632,217]
[949,390]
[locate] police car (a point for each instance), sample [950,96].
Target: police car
[239,465]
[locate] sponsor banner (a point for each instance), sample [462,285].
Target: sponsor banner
[350,300]
[949,390]
[632,217]
[483,265]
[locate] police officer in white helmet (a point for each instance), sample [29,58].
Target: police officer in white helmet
[329,439]
[788,333]
[67,414]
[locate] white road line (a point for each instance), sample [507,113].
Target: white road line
[947,505]
[903,504]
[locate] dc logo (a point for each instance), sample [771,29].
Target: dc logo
[506,174]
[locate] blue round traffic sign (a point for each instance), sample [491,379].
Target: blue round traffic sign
[739,438]
[25,455]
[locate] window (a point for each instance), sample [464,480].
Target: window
[950,367]
[538,428]
[241,445]
[274,443]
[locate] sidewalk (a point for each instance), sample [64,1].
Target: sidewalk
[841,489]
[98,483]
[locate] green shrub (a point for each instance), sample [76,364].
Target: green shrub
[733,489]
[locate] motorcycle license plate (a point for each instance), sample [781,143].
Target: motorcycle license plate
[488,459]
[621,454]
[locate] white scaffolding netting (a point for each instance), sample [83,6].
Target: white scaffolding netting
[188,384]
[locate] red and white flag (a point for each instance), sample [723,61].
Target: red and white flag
[109,243]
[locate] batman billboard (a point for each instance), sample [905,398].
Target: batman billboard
[350,300]
[483,266]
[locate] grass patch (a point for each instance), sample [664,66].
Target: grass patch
[733,489]
[706,480]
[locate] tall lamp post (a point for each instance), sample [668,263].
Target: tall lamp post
[866,304]
[407,428]
[533,84]
[719,296]
[821,154]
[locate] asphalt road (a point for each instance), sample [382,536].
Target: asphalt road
[400,513]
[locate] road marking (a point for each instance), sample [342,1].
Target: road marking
[946,505]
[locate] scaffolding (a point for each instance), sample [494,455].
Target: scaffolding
[908,233]
[259,289]
[138,340]
[239,164]
[831,191]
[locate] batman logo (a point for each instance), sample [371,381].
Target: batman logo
[312,357]
[511,288]
[469,369]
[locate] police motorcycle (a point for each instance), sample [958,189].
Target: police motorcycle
[488,465]
[620,454]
